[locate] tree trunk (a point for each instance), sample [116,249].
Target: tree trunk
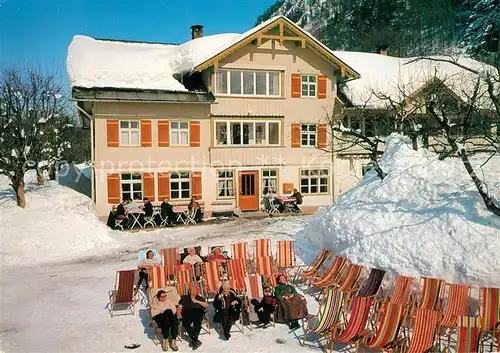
[18,186]
[40,179]
[480,186]
[414,142]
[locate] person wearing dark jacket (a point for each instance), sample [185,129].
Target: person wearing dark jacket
[191,310]
[298,199]
[228,308]
[147,207]
[266,307]
[167,211]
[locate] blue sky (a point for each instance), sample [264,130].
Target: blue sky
[38,32]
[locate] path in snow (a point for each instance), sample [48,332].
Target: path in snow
[52,307]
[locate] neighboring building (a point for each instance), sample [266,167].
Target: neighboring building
[222,117]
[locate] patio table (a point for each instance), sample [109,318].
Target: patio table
[136,214]
[287,201]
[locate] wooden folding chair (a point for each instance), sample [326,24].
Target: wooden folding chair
[183,277]
[385,327]
[211,277]
[424,336]
[356,325]
[402,290]
[237,271]
[350,280]
[159,277]
[432,294]
[468,335]
[264,266]
[237,283]
[285,255]
[489,311]
[328,315]
[240,251]
[123,291]
[305,272]
[262,248]
[457,306]
[372,284]
[254,290]
[331,273]
[170,259]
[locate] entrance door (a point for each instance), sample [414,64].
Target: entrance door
[249,191]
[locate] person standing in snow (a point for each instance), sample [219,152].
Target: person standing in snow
[144,266]
[163,312]
[191,310]
[228,308]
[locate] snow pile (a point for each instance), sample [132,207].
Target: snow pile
[57,223]
[398,77]
[424,218]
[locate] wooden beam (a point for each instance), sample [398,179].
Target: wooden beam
[303,43]
[277,37]
[216,65]
[259,40]
[281,33]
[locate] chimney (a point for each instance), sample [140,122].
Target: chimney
[383,50]
[196,31]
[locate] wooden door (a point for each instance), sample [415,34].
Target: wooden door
[249,191]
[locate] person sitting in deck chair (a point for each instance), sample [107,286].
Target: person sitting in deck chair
[216,255]
[191,311]
[228,308]
[291,306]
[163,312]
[298,200]
[266,307]
[194,206]
[144,266]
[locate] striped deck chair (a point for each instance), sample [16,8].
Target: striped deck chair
[123,291]
[372,284]
[389,319]
[182,280]
[489,311]
[312,270]
[357,322]
[211,277]
[432,294]
[264,266]
[468,335]
[262,248]
[255,290]
[285,254]
[331,273]
[170,258]
[328,315]
[237,272]
[159,277]
[401,293]
[425,330]
[350,278]
[457,304]
[240,251]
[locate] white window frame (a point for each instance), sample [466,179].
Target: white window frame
[179,181]
[308,135]
[131,182]
[228,83]
[269,178]
[309,85]
[318,176]
[225,179]
[129,130]
[254,131]
[362,124]
[178,132]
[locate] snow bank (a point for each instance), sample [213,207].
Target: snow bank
[58,223]
[424,218]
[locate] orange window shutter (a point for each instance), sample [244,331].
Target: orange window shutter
[163,133]
[322,136]
[114,188]
[196,185]
[295,135]
[322,86]
[112,133]
[163,186]
[194,132]
[148,184]
[146,133]
[296,85]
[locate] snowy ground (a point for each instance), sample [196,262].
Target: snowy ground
[49,307]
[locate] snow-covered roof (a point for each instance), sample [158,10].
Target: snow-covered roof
[398,77]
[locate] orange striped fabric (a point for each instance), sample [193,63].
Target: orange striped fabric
[402,290]
[182,267]
[490,306]
[159,277]
[334,270]
[357,321]
[424,331]
[240,251]
[264,265]
[469,321]
[236,269]
[237,284]
[458,301]
[253,285]
[183,278]
[318,262]
[212,276]
[389,324]
[468,334]
[285,253]
[262,248]
[351,277]
[431,293]
[125,291]
[170,258]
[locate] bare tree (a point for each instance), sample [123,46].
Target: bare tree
[32,113]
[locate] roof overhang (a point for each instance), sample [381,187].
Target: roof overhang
[300,35]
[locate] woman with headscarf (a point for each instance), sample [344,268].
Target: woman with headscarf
[228,308]
[291,306]
[163,311]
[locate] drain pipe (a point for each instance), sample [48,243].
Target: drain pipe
[92,176]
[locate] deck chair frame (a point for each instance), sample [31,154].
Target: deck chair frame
[124,281]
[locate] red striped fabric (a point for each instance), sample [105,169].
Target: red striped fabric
[332,272]
[212,276]
[182,267]
[125,290]
[388,328]
[402,290]
[424,331]
[467,340]
[458,301]
[262,248]
[237,273]
[240,251]
[490,308]
[159,277]
[350,279]
[318,262]
[431,293]
[357,321]
[253,285]
[264,265]
[170,258]
[183,278]
[285,253]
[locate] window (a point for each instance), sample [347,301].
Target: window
[249,83]
[366,126]
[180,186]
[269,180]
[131,186]
[243,133]
[130,133]
[308,135]
[225,186]
[308,86]
[314,181]
[179,133]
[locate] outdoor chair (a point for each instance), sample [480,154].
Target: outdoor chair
[401,292]
[468,335]
[371,285]
[123,292]
[119,223]
[312,270]
[274,206]
[255,290]
[149,220]
[489,311]
[285,254]
[424,334]
[191,216]
[457,306]
[331,273]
